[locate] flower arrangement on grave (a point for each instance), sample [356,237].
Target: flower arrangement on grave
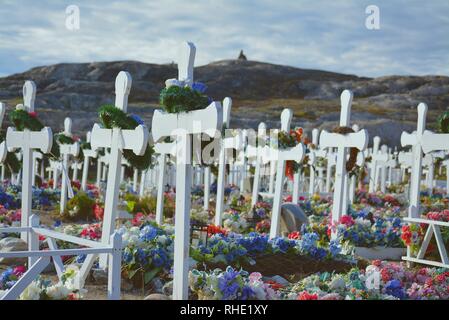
[413,234]
[10,217]
[44,198]
[112,117]
[10,197]
[230,284]
[178,97]
[363,229]
[234,221]
[9,277]
[263,226]
[213,229]
[396,283]
[80,207]
[65,289]
[148,251]
[199,216]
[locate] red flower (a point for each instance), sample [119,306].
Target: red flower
[213,229]
[307,296]
[138,218]
[347,220]
[376,263]
[274,285]
[33,114]
[294,235]
[76,184]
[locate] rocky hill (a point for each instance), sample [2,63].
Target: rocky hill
[385,106]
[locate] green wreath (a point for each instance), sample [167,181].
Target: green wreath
[62,138]
[177,99]
[443,122]
[23,119]
[112,117]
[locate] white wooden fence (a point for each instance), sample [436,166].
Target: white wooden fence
[38,259]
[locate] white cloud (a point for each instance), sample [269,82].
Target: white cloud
[319,34]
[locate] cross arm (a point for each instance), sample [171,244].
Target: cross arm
[206,121]
[42,140]
[357,140]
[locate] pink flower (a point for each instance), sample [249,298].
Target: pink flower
[18,271]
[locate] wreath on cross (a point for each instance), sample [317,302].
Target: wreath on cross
[112,117]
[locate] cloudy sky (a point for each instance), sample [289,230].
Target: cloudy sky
[319,34]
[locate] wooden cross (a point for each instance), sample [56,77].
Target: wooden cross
[296,154]
[313,157]
[331,163]
[117,140]
[182,126]
[66,150]
[3,149]
[377,157]
[226,144]
[257,152]
[164,150]
[416,140]
[28,141]
[88,154]
[342,142]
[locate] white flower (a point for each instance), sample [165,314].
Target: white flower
[173,82]
[58,291]
[20,107]
[32,292]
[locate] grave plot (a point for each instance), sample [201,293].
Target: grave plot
[195,210]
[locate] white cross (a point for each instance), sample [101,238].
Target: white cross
[182,126]
[416,140]
[226,144]
[164,150]
[331,163]
[67,150]
[3,149]
[314,155]
[117,140]
[296,154]
[27,141]
[378,158]
[88,154]
[257,152]
[428,162]
[357,140]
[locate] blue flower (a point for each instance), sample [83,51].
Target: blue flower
[228,283]
[80,258]
[141,255]
[148,233]
[137,119]
[334,248]
[200,87]
[394,288]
